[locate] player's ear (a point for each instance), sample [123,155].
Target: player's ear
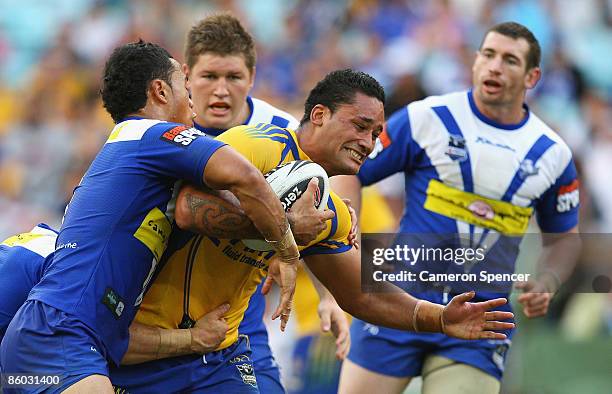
[186,72]
[159,91]
[318,114]
[252,77]
[532,77]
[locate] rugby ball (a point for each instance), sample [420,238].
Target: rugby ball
[289,181]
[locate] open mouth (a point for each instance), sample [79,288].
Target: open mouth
[356,155]
[219,108]
[492,85]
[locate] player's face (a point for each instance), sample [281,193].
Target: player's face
[219,87]
[181,105]
[348,135]
[500,73]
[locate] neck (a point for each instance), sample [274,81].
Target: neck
[504,113]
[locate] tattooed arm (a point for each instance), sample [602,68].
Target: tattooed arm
[212,212]
[217,213]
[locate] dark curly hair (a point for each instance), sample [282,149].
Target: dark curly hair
[339,87]
[127,74]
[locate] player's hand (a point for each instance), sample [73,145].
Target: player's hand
[472,320]
[352,237]
[306,221]
[333,318]
[284,274]
[208,332]
[535,298]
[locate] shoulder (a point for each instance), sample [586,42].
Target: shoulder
[264,112]
[40,240]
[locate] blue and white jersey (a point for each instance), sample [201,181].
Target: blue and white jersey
[466,174]
[115,228]
[23,258]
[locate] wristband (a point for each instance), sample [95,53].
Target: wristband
[286,246]
[173,342]
[427,317]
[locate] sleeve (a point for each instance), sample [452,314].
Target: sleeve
[557,209]
[261,149]
[340,226]
[393,150]
[178,151]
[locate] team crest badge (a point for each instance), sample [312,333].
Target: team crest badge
[527,169]
[456,148]
[247,374]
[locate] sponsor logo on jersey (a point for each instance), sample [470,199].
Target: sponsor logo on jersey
[382,142]
[456,148]
[527,169]
[181,136]
[154,232]
[486,141]
[568,196]
[113,302]
[482,210]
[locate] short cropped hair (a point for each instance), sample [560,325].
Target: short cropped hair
[128,73]
[221,34]
[340,87]
[516,31]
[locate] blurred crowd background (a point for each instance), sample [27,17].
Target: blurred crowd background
[52,52]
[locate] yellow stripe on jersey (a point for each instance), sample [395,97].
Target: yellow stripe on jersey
[480,211]
[154,232]
[21,239]
[226,271]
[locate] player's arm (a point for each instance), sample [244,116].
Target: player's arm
[557,215]
[149,343]
[217,213]
[393,308]
[227,169]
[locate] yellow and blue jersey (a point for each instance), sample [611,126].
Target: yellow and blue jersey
[206,272]
[23,259]
[116,226]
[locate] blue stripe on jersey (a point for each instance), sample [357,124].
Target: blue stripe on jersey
[280,122]
[318,249]
[453,128]
[251,107]
[466,167]
[534,154]
[334,223]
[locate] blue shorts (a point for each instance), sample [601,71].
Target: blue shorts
[43,340]
[401,353]
[316,370]
[266,369]
[225,371]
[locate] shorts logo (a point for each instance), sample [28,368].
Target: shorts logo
[113,302]
[247,374]
[456,148]
[181,136]
[568,196]
[382,142]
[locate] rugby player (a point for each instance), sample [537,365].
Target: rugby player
[220,63]
[116,226]
[23,259]
[477,163]
[342,118]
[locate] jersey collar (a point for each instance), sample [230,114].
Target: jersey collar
[493,123]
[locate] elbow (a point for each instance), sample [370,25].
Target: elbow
[353,305]
[182,213]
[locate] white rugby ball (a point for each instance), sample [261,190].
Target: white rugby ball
[289,181]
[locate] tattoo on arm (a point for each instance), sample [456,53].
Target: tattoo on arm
[219,218]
